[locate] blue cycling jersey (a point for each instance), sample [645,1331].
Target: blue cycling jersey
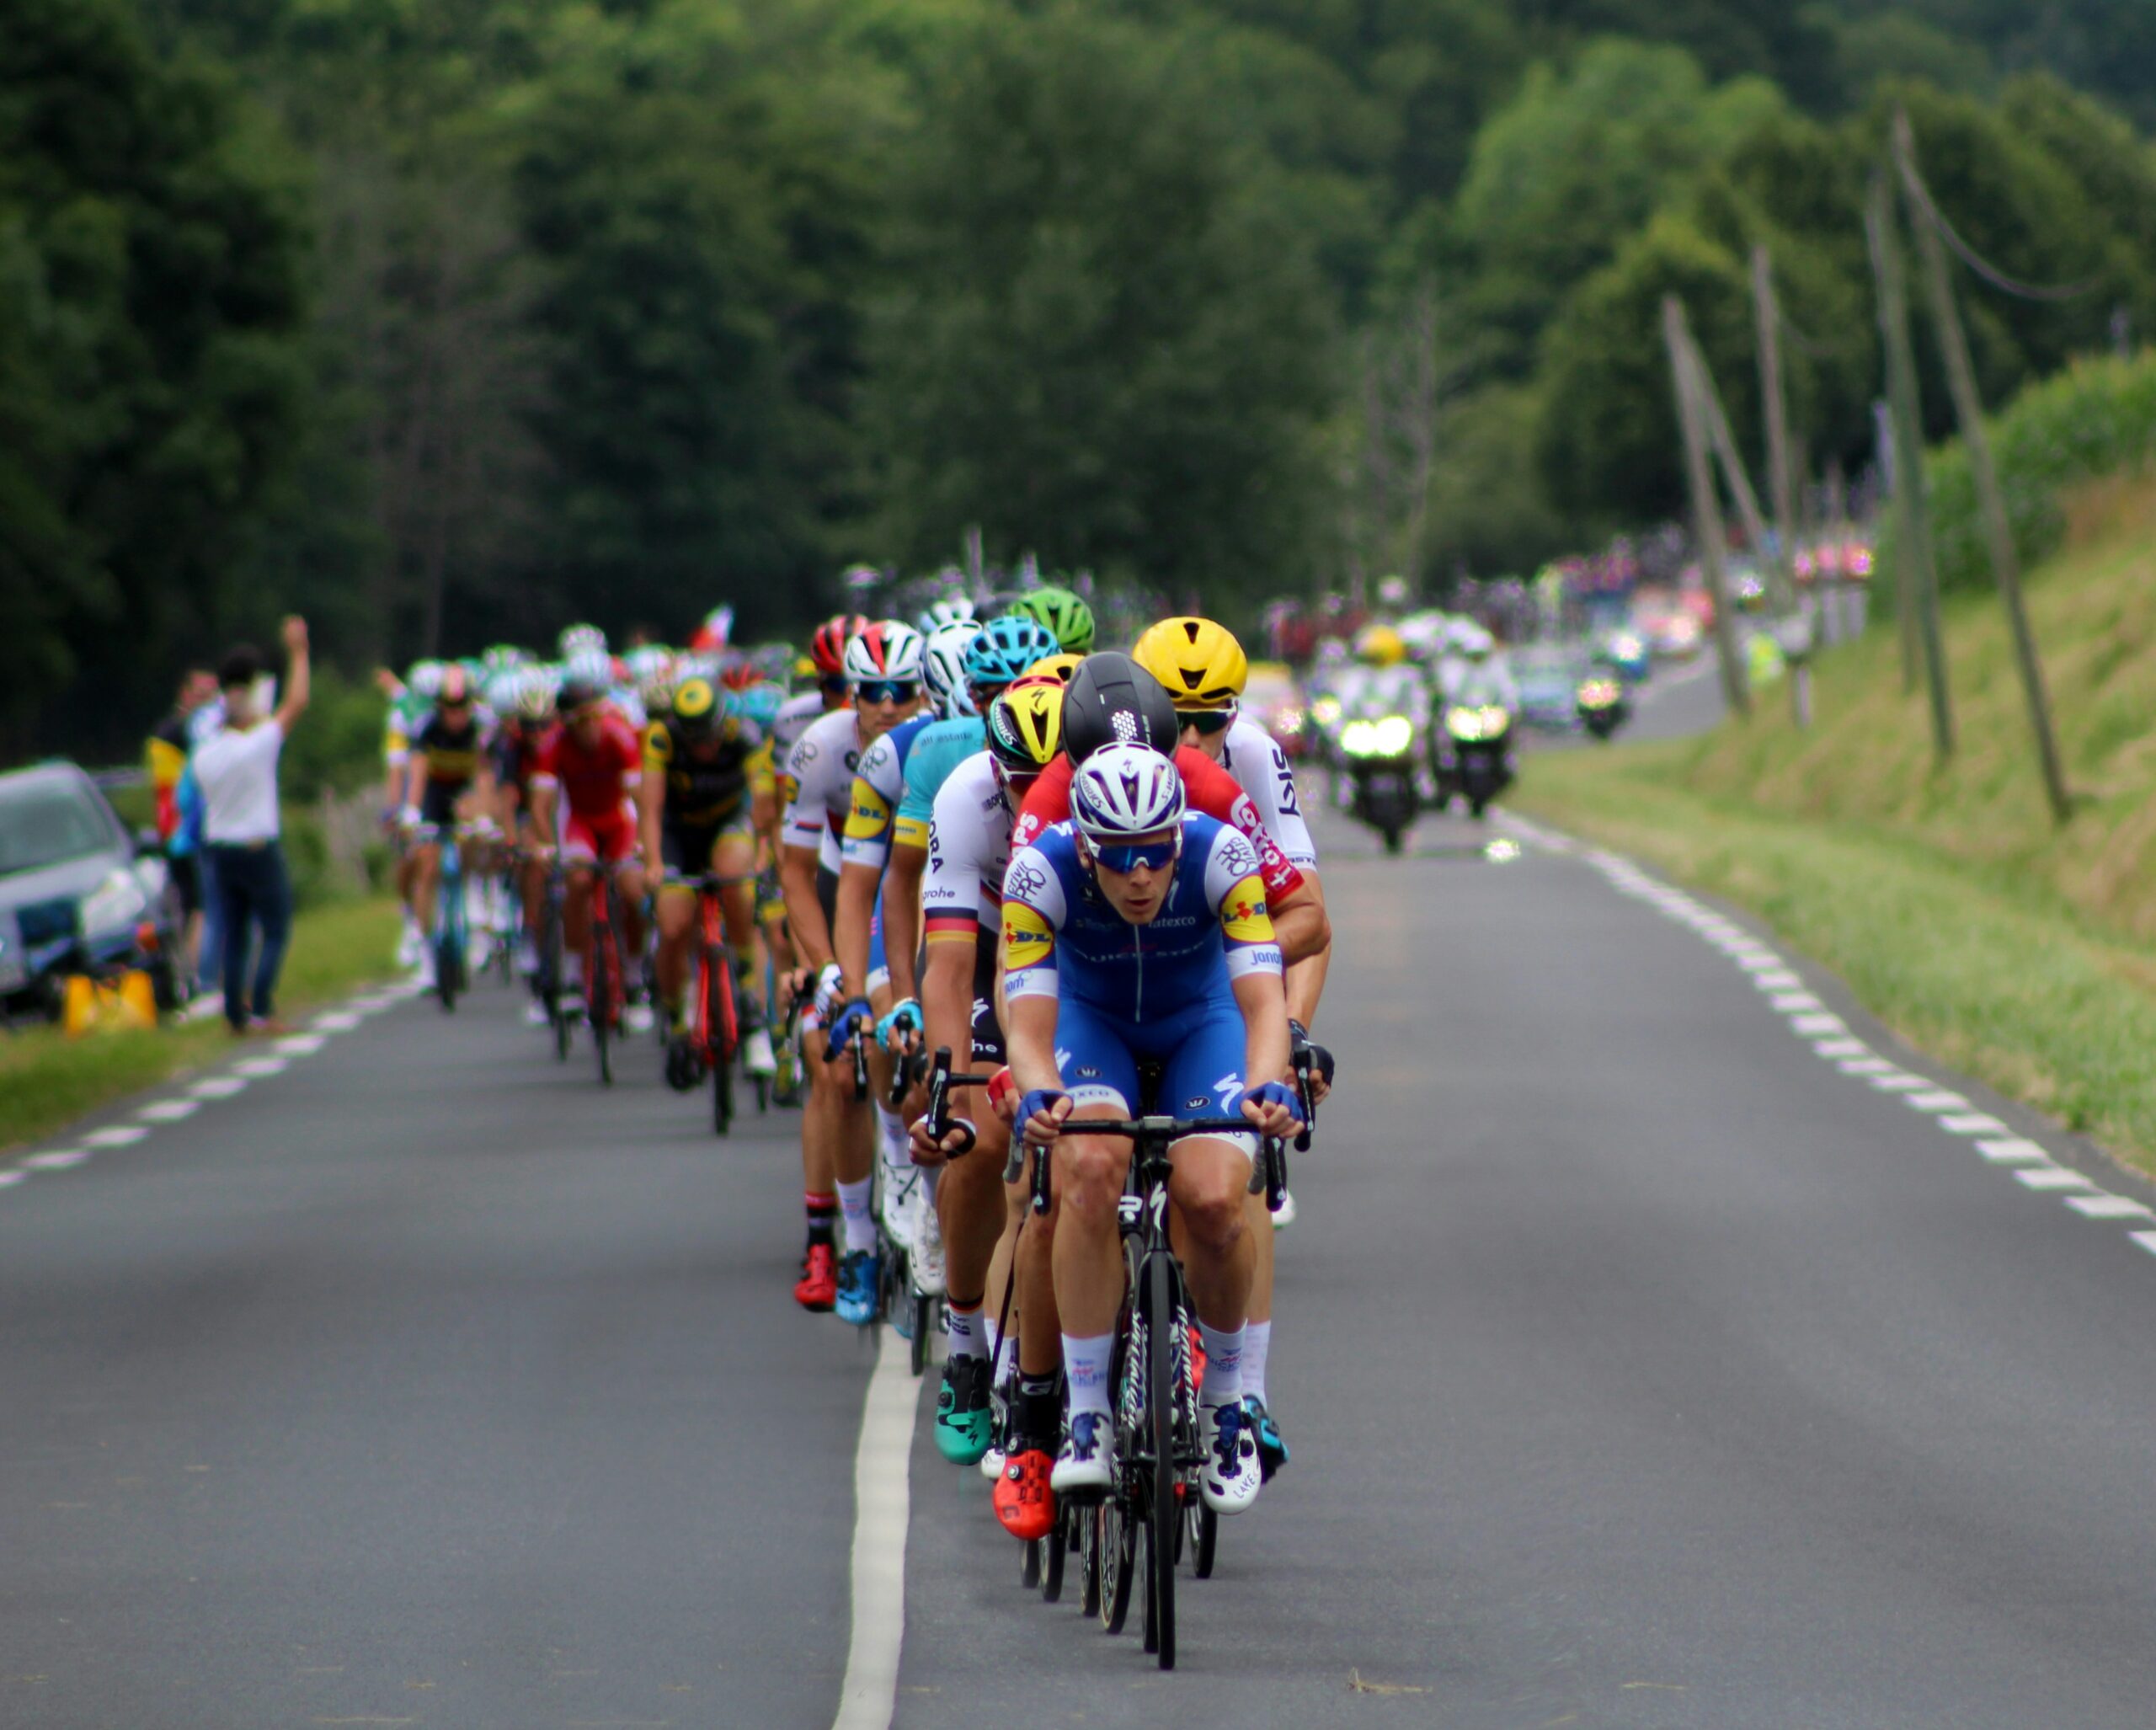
[938,751]
[1063,938]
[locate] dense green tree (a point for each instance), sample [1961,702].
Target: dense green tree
[1100,336]
[149,302]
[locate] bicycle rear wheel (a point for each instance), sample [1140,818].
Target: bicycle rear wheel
[604,986]
[719,1023]
[1164,1524]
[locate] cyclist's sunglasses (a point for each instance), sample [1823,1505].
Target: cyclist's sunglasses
[1123,858]
[835,685]
[1207,722]
[889,690]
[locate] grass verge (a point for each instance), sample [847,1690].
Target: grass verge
[47,1080]
[2021,952]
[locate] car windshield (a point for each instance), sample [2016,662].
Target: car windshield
[47,821]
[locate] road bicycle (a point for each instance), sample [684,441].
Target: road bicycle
[713,1042]
[451,940]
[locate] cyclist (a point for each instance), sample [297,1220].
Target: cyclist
[858,927]
[450,758]
[827,660]
[411,701]
[1204,669]
[1111,699]
[882,669]
[519,742]
[708,790]
[1064,612]
[583,791]
[1138,932]
[969,849]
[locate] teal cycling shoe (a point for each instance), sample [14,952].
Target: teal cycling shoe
[860,1282]
[961,1413]
[1272,1448]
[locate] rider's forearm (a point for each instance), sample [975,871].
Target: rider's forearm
[856,910]
[1265,1027]
[902,918]
[1032,1045]
[1299,924]
[946,999]
[1306,976]
[804,913]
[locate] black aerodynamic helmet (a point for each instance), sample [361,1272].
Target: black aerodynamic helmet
[1111,700]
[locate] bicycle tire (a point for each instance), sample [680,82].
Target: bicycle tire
[924,1319]
[1029,1566]
[601,989]
[1089,1561]
[1053,1550]
[719,991]
[1118,1566]
[1203,1536]
[1164,1524]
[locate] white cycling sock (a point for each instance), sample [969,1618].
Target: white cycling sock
[1257,1341]
[1085,1367]
[572,972]
[854,1202]
[968,1332]
[1006,1352]
[898,1147]
[1224,1365]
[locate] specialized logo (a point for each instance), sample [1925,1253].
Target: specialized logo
[1197,1102]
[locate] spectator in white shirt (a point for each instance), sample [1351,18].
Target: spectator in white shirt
[237,769]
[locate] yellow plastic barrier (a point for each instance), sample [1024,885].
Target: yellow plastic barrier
[93,1008]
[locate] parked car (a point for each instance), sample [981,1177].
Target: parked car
[78,894]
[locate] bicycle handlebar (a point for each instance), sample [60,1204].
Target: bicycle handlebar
[941,1081]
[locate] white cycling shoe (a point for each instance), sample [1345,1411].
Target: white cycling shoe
[927,1259]
[756,1055]
[1086,1460]
[1232,1476]
[637,1018]
[1285,1216]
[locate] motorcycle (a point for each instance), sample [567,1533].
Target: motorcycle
[1474,758]
[1379,755]
[1601,706]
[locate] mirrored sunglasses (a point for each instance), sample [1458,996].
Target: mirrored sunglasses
[1123,858]
[888,690]
[1207,721]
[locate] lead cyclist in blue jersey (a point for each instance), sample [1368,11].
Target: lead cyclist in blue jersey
[1137,931]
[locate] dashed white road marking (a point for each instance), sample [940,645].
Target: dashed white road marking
[115,1136]
[8,1179]
[337,1021]
[169,1111]
[259,1067]
[59,1159]
[1784,988]
[218,1086]
[303,1044]
[2107,1206]
[2048,1177]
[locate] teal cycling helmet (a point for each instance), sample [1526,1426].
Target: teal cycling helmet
[1005,647]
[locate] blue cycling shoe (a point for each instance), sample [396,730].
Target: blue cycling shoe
[860,1282]
[1271,1448]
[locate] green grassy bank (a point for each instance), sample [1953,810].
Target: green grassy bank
[47,1079]
[2020,952]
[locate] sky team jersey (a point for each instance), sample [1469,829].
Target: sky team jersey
[1208,788]
[878,784]
[969,852]
[1260,766]
[594,779]
[939,750]
[1063,939]
[820,772]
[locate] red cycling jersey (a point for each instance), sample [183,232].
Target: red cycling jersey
[1208,787]
[594,780]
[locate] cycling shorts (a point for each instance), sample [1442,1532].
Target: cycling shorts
[988,1030]
[605,839]
[687,848]
[438,802]
[1200,1050]
[770,900]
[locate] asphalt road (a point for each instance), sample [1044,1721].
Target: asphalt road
[1643,1366]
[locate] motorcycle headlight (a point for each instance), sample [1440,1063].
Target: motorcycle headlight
[1392,736]
[1598,693]
[1463,723]
[1358,738]
[113,904]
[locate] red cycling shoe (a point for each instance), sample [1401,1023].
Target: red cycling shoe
[818,1287]
[1024,1503]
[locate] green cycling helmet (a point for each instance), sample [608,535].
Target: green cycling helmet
[1063,612]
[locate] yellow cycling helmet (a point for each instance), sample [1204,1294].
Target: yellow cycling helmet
[1202,664]
[1058,667]
[697,707]
[1382,646]
[1025,727]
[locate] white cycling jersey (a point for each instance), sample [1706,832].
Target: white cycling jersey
[1254,757]
[820,773]
[795,716]
[968,850]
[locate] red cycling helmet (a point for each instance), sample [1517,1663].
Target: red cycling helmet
[827,648]
[740,672]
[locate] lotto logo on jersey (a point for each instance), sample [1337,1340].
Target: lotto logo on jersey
[1243,915]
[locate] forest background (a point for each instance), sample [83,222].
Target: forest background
[447,321]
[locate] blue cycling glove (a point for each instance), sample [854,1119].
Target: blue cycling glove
[1038,1100]
[857,1012]
[905,1017]
[1272,1093]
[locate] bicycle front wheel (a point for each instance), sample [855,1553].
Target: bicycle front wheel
[602,987]
[1164,1316]
[718,1024]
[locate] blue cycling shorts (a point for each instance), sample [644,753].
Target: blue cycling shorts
[1202,1050]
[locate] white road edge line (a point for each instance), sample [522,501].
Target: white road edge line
[869,1695]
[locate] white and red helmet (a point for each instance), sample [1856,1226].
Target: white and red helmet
[889,649]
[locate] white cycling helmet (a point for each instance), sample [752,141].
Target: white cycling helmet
[890,648]
[580,639]
[943,666]
[950,610]
[535,694]
[1122,791]
[593,667]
